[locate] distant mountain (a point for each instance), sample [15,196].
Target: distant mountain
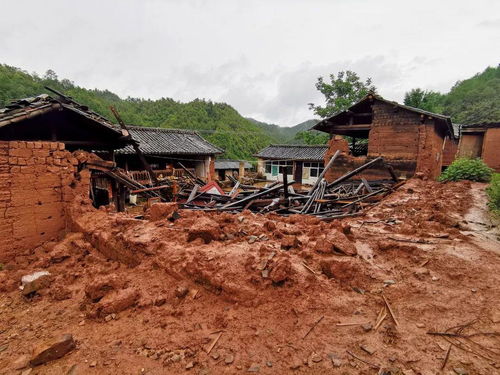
[282,134]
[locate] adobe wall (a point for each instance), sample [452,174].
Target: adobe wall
[400,137]
[37,180]
[394,134]
[491,148]
[450,151]
[430,151]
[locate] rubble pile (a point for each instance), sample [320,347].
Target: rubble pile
[214,292]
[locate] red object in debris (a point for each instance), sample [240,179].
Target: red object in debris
[212,188]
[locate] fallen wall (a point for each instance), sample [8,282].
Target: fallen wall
[37,180]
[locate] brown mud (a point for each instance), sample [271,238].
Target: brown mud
[264,293]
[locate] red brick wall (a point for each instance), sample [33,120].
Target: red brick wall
[491,148]
[37,179]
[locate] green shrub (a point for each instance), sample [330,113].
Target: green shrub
[467,169]
[494,192]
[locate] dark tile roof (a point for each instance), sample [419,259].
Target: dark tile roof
[482,125]
[293,152]
[161,141]
[21,109]
[230,164]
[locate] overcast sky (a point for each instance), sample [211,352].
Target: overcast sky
[262,57]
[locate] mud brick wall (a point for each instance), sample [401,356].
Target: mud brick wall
[450,151]
[430,151]
[400,137]
[37,180]
[491,148]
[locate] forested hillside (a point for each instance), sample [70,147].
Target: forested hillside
[289,135]
[217,122]
[470,101]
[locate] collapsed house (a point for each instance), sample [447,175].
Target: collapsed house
[481,141]
[169,152]
[47,158]
[303,163]
[231,168]
[410,139]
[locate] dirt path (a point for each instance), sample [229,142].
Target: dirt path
[266,294]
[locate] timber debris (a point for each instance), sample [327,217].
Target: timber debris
[343,197]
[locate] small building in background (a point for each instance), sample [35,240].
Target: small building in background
[233,168]
[304,163]
[169,152]
[481,141]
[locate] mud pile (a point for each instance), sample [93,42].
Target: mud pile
[215,293]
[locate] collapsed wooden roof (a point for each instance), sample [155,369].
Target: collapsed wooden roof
[356,121]
[44,118]
[293,152]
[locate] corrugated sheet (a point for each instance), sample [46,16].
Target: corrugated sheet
[160,141]
[293,152]
[230,164]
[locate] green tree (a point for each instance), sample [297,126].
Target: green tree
[427,100]
[311,138]
[341,92]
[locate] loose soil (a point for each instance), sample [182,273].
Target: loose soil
[263,293]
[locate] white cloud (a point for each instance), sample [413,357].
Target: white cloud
[262,56]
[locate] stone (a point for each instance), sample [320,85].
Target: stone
[336,361]
[119,301]
[460,371]
[27,371]
[296,363]
[421,272]
[35,281]
[281,271]
[206,229]
[254,367]
[54,351]
[269,364]
[215,355]
[181,291]
[189,365]
[335,242]
[290,242]
[252,239]
[316,358]
[159,211]
[367,349]
[21,362]
[229,359]
[420,325]
[367,327]
[107,318]
[389,282]
[93,364]
[435,278]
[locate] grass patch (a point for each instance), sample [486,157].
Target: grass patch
[494,193]
[467,169]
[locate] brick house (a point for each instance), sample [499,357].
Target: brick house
[410,139]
